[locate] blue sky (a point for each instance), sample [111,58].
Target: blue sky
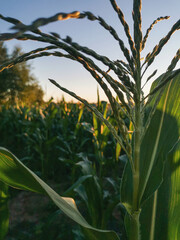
[72,75]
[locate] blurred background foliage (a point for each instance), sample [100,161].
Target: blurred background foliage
[67,146]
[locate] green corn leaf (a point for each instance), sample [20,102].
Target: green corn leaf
[70,190]
[161,136]
[161,212]
[4,213]
[79,119]
[127,188]
[91,193]
[118,151]
[96,125]
[104,108]
[95,200]
[80,114]
[17,175]
[173,177]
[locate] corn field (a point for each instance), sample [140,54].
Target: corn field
[59,141]
[140,175]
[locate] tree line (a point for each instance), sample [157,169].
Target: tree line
[18,84]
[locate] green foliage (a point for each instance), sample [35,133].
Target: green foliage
[50,136]
[51,142]
[43,133]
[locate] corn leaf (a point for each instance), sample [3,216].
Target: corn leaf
[91,193]
[161,136]
[173,178]
[161,212]
[17,175]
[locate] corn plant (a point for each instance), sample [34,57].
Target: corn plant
[149,186]
[101,138]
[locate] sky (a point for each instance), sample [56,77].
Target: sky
[72,75]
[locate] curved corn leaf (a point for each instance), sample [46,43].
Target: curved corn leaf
[17,175]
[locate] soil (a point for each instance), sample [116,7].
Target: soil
[27,207]
[34,216]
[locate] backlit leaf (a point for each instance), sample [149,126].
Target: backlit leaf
[15,174]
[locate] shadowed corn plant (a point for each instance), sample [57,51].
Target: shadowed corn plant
[149,188]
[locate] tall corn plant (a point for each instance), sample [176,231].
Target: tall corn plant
[149,188]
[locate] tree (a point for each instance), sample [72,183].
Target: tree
[4,74]
[18,84]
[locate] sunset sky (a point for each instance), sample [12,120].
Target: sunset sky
[71,74]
